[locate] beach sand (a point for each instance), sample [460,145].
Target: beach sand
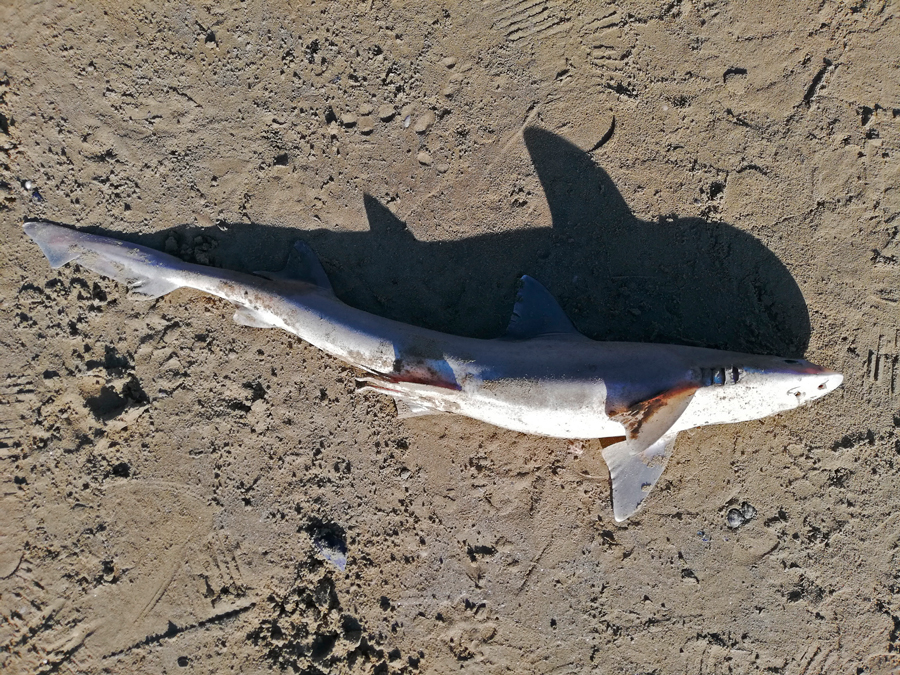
[179,492]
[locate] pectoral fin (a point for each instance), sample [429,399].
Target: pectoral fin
[633,472]
[636,463]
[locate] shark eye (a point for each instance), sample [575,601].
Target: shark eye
[735,374]
[719,376]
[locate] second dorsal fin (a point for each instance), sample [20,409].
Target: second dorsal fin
[302,265]
[537,313]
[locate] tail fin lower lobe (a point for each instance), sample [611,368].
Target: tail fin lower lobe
[144,270]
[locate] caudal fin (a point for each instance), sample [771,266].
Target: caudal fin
[144,270]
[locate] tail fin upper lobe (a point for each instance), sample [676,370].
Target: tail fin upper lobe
[144,270]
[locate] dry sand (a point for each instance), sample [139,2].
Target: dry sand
[173,484]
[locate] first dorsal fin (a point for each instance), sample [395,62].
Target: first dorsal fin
[302,265]
[537,313]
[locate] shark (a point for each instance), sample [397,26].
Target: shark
[540,377]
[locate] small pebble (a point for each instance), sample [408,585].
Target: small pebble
[365,109]
[734,519]
[203,220]
[348,119]
[386,113]
[424,123]
[332,547]
[424,158]
[748,510]
[738,517]
[452,86]
[366,124]
[28,185]
[443,167]
[405,473]
[406,121]
[450,61]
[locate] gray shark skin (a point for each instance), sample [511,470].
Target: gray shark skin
[541,377]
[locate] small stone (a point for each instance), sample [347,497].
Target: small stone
[365,109]
[405,473]
[795,450]
[424,123]
[203,220]
[734,519]
[452,87]
[406,121]
[443,167]
[28,185]
[450,61]
[748,511]
[348,119]
[331,543]
[366,124]
[386,112]
[424,158]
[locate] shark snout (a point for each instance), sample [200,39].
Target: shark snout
[815,383]
[829,381]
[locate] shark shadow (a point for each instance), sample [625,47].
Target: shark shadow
[681,280]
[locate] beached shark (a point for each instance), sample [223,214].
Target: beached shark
[540,377]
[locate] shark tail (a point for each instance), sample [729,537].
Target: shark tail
[143,270]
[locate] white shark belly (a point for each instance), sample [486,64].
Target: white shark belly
[549,408]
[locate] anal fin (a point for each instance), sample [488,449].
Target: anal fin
[244,316]
[407,408]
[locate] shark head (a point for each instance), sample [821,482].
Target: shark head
[751,387]
[724,387]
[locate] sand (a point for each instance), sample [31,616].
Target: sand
[179,493]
